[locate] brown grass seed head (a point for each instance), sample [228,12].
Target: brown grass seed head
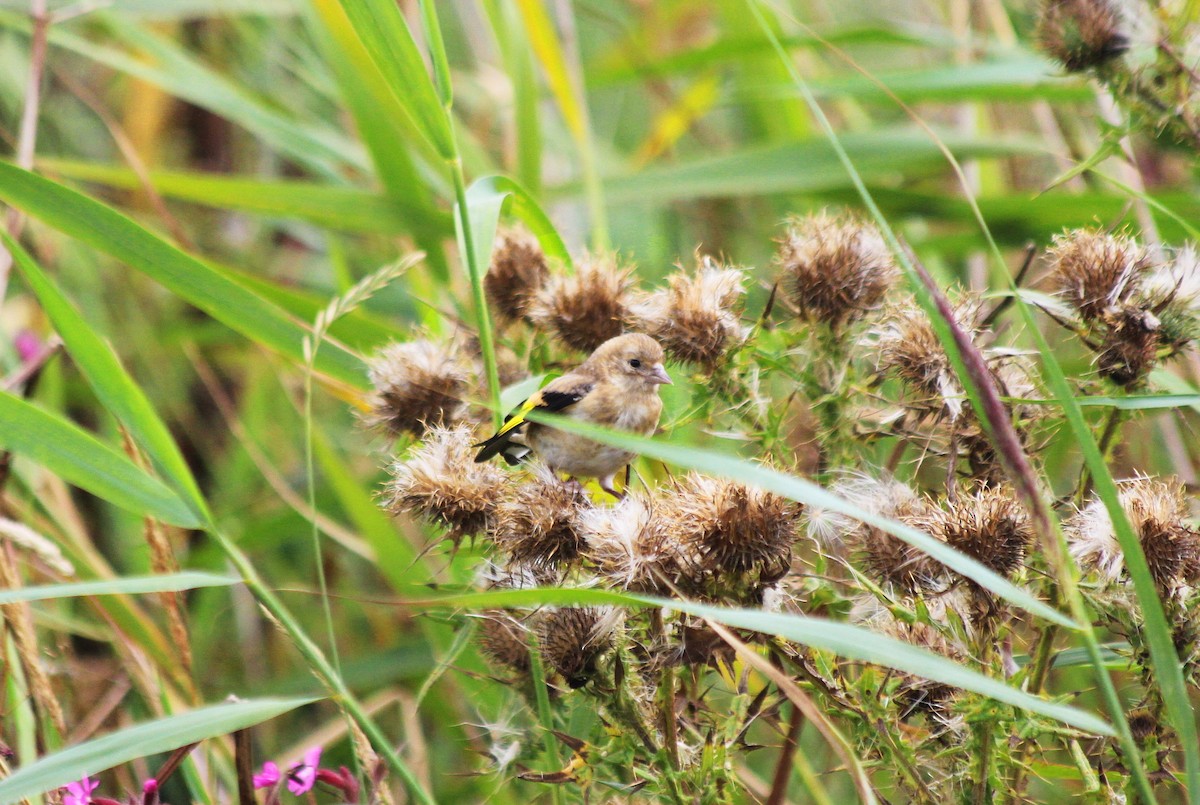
[537,524]
[631,547]
[1082,34]
[1093,271]
[732,527]
[573,639]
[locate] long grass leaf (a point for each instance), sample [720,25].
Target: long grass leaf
[112,384]
[81,459]
[107,230]
[330,206]
[803,491]
[128,585]
[845,640]
[151,738]
[386,36]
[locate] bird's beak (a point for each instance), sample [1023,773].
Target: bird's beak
[659,375]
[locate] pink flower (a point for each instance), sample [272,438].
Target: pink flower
[80,793]
[28,345]
[303,775]
[268,777]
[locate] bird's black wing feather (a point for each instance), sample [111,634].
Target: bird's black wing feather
[548,401]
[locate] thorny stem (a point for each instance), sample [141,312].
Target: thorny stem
[666,692]
[984,733]
[541,694]
[1111,425]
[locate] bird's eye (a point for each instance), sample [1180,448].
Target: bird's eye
[635,363]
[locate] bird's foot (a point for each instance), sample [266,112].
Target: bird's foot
[573,484]
[606,483]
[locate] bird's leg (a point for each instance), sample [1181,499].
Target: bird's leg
[606,483]
[573,484]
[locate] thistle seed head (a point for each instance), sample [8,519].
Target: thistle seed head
[1094,271]
[504,641]
[518,271]
[586,308]
[440,482]
[835,268]
[417,385]
[908,347]
[1130,346]
[538,524]
[632,547]
[573,639]
[1158,512]
[988,525]
[731,527]
[695,317]
[887,560]
[1082,34]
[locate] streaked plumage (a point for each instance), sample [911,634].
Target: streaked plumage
[616,387]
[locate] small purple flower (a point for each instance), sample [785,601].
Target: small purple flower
[80,793]
[303,775]
[268,777]
[28,345]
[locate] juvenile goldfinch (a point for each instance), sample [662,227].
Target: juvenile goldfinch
[617,387]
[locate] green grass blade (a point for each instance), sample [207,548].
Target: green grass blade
[109,380]
[845,640]
[330,206]
[107,230]
[386,36]
[487,198]
[323,150]
[81,459]
[128,585]
[808,493]
[805,166]
[153,737]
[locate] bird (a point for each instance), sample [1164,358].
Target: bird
[616,387]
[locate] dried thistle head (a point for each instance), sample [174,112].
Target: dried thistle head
[887,560]
[835,268]
[1094,271]
[516,576]
[695,317]
[417,385]
[573,639]
[1172,292]
[1130,346]
[504,641]
[989,525]
[440,482]
[538,524]
[631,546]
[586,308]
[731,527]
[518,271]
[1082,34]
[908,347]
[1158,512]
[915,694]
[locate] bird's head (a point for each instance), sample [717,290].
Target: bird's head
[634,359]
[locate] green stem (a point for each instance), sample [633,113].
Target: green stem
[483,321]
[537,673]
